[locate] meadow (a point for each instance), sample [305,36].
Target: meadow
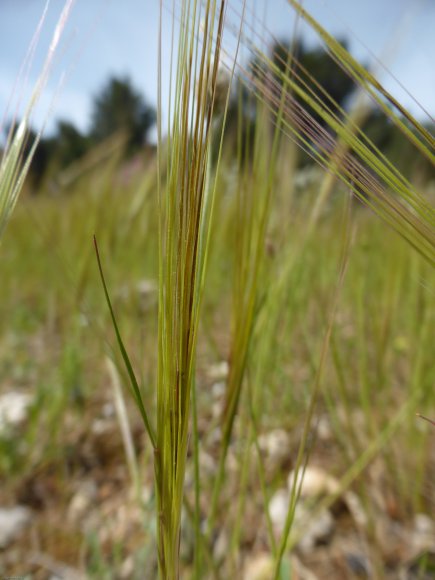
[309,350]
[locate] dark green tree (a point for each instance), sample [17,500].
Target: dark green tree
[312,67]
[389,139]
[71,144]
[41,156]
[315,68]
[120,106]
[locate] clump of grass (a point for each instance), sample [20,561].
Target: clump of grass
[185,213]
[185,209]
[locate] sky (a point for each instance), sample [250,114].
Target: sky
[114,37]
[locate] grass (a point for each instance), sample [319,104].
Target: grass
[385,359]
[322,312]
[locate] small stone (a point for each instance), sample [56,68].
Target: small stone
[217,409]
[317,530]
[220,548]
[146,287]
[324,430]
[424,524]
[147,493]
[207,464]
[127,568]
[218,371]
[13,409]
[82,501]
[276,446]
[233,462]
[359,565]
[260,567]
[278,507]
[218,390]
[314,482]
[355,508]
[214,437]
[305,178]
[12,522]
[101,426]
[108,410]
[423,535]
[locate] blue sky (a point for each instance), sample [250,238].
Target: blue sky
[105,37]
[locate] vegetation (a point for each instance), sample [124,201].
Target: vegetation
[119,109]
[262,329]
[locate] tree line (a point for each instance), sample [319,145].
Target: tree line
[120,106]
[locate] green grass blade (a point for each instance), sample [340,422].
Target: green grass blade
[133,381]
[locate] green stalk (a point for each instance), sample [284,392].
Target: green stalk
[185,216]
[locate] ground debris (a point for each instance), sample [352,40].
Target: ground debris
[12,522]
[13,410]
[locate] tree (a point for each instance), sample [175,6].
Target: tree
[64,147]
[120,106]
[317,70]
[70,143]
[313,68]
[41,155]
[389,139]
